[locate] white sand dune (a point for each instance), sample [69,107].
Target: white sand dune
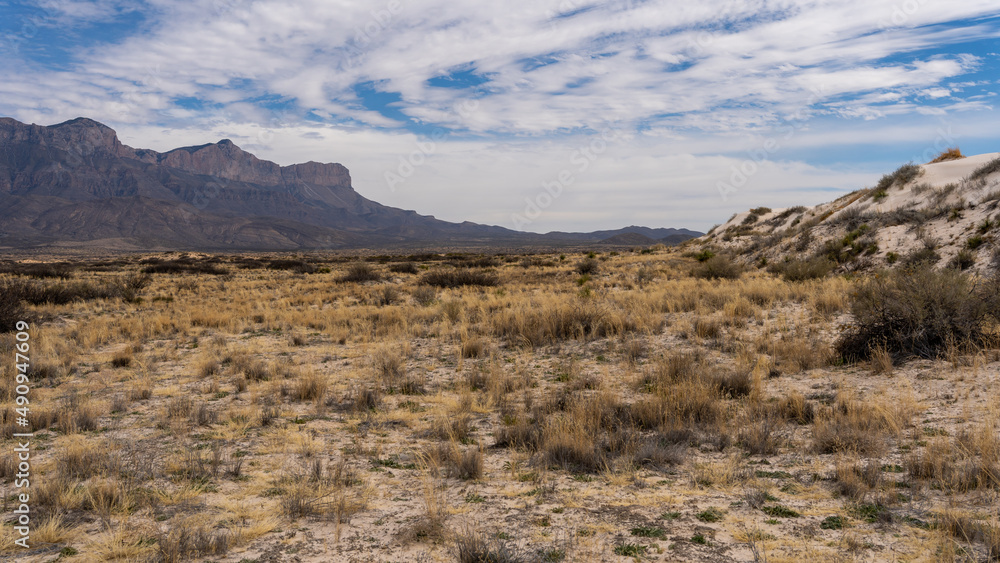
[942,206]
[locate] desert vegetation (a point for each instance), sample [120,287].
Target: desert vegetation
[671,404]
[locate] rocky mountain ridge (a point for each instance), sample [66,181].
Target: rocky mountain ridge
[76,184]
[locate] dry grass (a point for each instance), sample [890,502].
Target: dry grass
[352,409]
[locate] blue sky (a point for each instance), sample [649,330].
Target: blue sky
[538,115]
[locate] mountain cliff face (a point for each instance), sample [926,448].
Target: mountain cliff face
[76,184]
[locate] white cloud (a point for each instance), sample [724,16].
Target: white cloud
[697,79]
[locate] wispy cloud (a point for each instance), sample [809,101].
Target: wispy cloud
[541,74]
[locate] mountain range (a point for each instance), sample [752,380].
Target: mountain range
[75,184]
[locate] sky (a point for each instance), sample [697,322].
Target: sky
[536,115]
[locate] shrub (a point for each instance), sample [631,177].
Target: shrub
[986,169]
[760,210]
[360,272]
[901,176]
[492,548]
[11,308]
[299,266]
[404,268]
[925,255]
[60,293]
[459,278]
[801,270]
[131,285]
[718,267]
[587,266]
[704,255]
[60,270]
[948,154]
[424,296]
[964,260]
[184,267]
[918,312]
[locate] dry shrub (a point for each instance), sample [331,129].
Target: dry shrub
[459,278]
[739,308]
[404,268]
[140,390]
[801,270]
[178,408]
[309,387]
[853,426]
[338,492]
[828,302]
[455,428]
[718,267]
[662,450]
[550,321]
[707,327]
[466,464]
[424,295]
[952,153]
[473,348]
[389,365]
[796,408]
[190,539]
[635,349]
[881,361]
[77,414]
[917,312]
[360,272]
[203,415]
[480,547]
[365,399]
[971,461]
[856,480]
[972,531]
[520,433]
[82,460]
[759,435]
[572,446]
[795,354]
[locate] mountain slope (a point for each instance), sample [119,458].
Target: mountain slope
[76,184]
[946,213]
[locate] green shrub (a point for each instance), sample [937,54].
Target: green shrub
[704,255]
[918,312]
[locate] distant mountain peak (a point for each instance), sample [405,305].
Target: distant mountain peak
[75,184]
